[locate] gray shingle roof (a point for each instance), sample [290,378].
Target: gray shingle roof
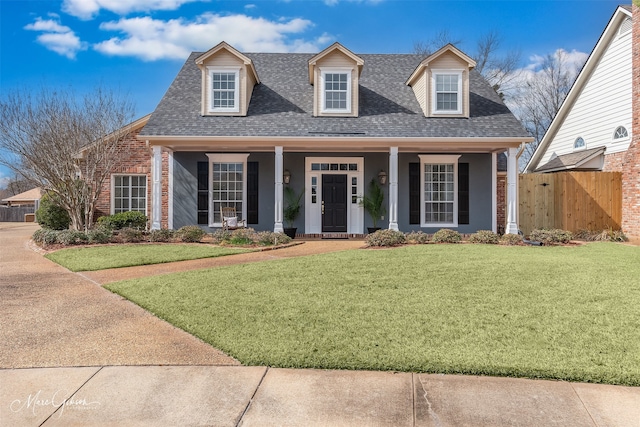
[282,105]
[571,160]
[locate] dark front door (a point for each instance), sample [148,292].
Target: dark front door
[334,203]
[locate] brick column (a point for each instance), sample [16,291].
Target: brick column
[631,164]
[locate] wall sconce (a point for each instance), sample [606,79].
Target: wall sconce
[286,177]
[382,177]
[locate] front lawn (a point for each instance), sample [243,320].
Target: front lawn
[116,256]
[569,313]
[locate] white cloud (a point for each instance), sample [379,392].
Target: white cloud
[250,6]
[56,37]
[88,9]
[153,39]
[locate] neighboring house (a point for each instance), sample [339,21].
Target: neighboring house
[28,198]
[593,128]
[235,128]
[597,127]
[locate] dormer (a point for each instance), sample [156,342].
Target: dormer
[441,83]
[335,76]
[228,78]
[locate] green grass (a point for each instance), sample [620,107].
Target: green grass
[569,313]
[102,257]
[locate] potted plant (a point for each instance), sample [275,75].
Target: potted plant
[373,204]
[291,210]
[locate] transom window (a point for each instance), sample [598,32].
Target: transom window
[224,90]
[439,190]
[448,92]
[621,133]
[129,193]
[334,166]
[336,91]
[579,143]
[227,186]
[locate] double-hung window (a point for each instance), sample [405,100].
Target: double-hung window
[439,190]
[224,95]
[336,91]
[447,89]
[129,193]
[228,185]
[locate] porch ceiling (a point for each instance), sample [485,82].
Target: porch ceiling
[346,144]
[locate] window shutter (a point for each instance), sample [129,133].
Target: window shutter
[463,193]
[414,193]
[203,192]
[252,192]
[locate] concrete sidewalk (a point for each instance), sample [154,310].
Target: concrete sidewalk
[113,364]
[260,396]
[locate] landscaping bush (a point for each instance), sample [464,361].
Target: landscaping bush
[190,234]
[269,238]
[609,235]
[511,240]
[485,236]
[130,235]
[551,237]
[50,237]
[243,236]
[162,235]
[417,237]
[220,236]
[99,235]
[38,236]
[122,220]
[71,237]
[385,238]
[51,215]
[446,235]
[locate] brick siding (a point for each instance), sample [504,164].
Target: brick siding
[613,162]
[631,167]
[501,191]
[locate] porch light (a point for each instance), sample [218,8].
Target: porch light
[286,177]
[382,177]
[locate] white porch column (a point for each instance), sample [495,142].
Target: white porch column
[494,192]
[278,208]
[512,191]
[170,191]
[156,189]
[393,188]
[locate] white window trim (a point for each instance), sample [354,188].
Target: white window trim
[434,97]
[615,140]
[236,95]
[325,71]
[584,146]
[227,158]
[113,191]
[439,159]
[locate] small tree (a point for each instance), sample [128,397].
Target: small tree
[373,202]
[65,143]
[292,209]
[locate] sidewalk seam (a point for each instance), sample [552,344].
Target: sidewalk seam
[246,408]
[583,405]
[413,397]
[72,394]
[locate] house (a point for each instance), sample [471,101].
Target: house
[596,128]
[28,198]
[234,128]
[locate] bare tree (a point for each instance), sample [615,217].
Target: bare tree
[541,94]
[441,39]
[16,185]
[65,143]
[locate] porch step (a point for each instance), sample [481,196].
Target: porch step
[331,236]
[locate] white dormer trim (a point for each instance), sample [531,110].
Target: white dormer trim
[211,70]
[313,62]
[434,92]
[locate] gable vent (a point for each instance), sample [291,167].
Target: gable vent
[625,27]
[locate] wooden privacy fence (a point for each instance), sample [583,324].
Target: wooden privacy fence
[15,213]
[571,201]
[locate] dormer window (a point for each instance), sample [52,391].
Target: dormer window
[336,92]
[579,144]
[447,92]
[224,90]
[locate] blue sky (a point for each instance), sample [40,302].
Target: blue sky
[137,46]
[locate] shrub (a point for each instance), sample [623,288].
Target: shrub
[417,237]
[385,238]
[446,235]
[511,240]
[122,220]
[243,236]
[130,235]
[551,237]
[485,236]
[162,235]
[38,236]
[269,238]
[51,215]
[609,235]
[99,235]
[190,234]
[220,236]
[71,237]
